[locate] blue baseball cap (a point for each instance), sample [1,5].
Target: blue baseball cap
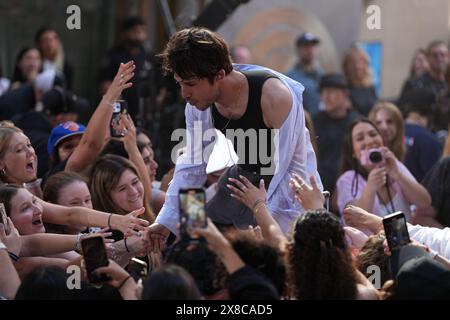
[63,131]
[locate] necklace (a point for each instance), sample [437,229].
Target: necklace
[231,115]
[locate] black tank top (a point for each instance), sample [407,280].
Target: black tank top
[251,122]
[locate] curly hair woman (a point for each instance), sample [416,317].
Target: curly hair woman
[320,262]
[319,259]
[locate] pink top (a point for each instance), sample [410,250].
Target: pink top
[399,201]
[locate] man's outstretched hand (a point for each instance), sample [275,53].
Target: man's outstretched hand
[157,236]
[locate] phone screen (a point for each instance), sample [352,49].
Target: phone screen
[4,218]
[94,254]
[396,230]
[192,210]
[120,107]
[137,268]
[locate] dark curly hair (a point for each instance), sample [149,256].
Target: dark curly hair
[260,256]
[196,53]
[203,265]
[319,260]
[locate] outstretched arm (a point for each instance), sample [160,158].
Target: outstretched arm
[9,279]
[130,145]
[413,191]
[94,137]
[255,200]
[190,171]
[57,214]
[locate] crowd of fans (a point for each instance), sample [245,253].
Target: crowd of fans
[62,182]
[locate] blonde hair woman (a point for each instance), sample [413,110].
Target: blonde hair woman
[388,119]
[359,77]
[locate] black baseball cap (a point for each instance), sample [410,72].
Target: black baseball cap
[59,100]
[307,38]
[332,80]
[418,276]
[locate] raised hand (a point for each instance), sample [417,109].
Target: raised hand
[246,192]
[129,139]
[12,240]
[129,223]
[215,239]
[157,235]
[391,163]
[120,81]
[309,197]
[377,178]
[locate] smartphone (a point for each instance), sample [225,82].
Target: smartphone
[192,211]
[4,218]
[396,230]
[94,254]
[120,107]
[138,269]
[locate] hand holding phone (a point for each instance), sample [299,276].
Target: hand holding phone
[137,268]
[117,128]
[4,218]
[396,230]
[192,211]
[94,254]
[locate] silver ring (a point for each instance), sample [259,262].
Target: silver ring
[298,189]
[121,75]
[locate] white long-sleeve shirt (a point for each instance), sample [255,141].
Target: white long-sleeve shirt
[293,154]
[434,238]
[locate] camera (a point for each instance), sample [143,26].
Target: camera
[192,212]
[372,156]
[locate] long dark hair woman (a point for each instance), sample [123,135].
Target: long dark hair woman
[371,176]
